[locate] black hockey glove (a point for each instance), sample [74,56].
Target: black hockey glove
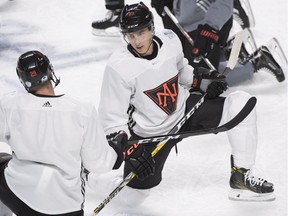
[215,82]
[118,141]
[205,40]
[139,160]
[215,89]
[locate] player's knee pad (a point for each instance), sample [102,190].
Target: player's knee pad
[243,137]
[234,102]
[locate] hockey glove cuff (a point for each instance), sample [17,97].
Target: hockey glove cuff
[139,160]
[205,40]
[208,75]
[118,141]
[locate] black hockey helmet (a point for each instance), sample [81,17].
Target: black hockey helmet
[135,17]
[34,68]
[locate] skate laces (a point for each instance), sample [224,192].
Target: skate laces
[253,180]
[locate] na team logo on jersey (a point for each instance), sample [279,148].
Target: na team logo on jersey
[165,95]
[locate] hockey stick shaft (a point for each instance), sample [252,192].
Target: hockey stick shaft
[131,175]
[245,111]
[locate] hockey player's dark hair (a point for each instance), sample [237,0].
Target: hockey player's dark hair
[34,69]
[135,17]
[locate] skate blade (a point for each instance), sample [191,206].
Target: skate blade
[276,50]
[251,41]
[110,32]
[246,195]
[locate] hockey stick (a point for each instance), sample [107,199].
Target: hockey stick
[131,175]
[237,43]
[244,112]
[233,58]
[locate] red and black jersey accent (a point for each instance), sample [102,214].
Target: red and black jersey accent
[165,95]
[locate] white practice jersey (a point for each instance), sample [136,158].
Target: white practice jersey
[51,138]
[154,89]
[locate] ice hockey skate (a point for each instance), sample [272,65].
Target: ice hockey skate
[247,187]
[263,58]
[109,25]
[242,14]
[275,48]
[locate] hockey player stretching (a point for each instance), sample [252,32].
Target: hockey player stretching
[53,138]
[208,23]
[145,92]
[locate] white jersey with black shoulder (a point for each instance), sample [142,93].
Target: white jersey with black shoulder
[155,90]
[52,138]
